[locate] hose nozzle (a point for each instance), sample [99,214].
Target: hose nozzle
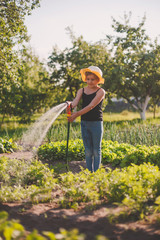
[69,109]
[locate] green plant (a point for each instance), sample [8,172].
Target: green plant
[21,179]
[136,187]
[56,151]
[118,154]
[7,146]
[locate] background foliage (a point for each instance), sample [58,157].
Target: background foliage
[130,63]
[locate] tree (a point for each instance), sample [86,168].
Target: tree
[65,65]
[13,34]
[33,92]
[135,71]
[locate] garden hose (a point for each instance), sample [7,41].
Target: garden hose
[69,111]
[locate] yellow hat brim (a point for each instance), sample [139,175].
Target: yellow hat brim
[84,70]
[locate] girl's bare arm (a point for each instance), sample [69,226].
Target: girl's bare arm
[77,98]
[98,98]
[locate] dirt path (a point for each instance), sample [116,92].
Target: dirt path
[18,155]
[49,217]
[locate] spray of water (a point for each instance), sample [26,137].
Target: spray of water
[37,132]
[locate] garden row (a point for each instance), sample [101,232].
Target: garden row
[21,180]
[137,187]
[133,132]
[118,154]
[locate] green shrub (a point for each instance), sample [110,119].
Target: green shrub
[15,172]
[21,179]
[113,152]
[56,151]
[141,183]
[118,154]
[7,146]
[137,187]
[142,154]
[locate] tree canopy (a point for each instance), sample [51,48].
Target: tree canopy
[130,63]
[135,74]
[13,34]
[65,65]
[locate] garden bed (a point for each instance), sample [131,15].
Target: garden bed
[92,221]
[49,217]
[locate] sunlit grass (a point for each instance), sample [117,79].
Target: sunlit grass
[122,127]
[126,115]
[123,116]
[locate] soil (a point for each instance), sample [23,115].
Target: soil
[50,217]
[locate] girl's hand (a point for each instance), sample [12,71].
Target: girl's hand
[73,116]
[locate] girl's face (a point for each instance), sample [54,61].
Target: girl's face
[92,80]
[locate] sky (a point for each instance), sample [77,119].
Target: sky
[90,18]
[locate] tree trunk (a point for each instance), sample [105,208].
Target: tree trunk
[3,118]
[154,111]
[143,115]
[143,107]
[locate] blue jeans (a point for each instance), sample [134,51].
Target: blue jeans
[92,133]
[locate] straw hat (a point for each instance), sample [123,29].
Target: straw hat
[93,69]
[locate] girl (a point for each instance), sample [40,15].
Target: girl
[91,115]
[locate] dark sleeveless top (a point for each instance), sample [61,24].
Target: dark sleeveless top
[94,114]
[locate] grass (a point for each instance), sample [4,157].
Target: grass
[122,127]
[127,115]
